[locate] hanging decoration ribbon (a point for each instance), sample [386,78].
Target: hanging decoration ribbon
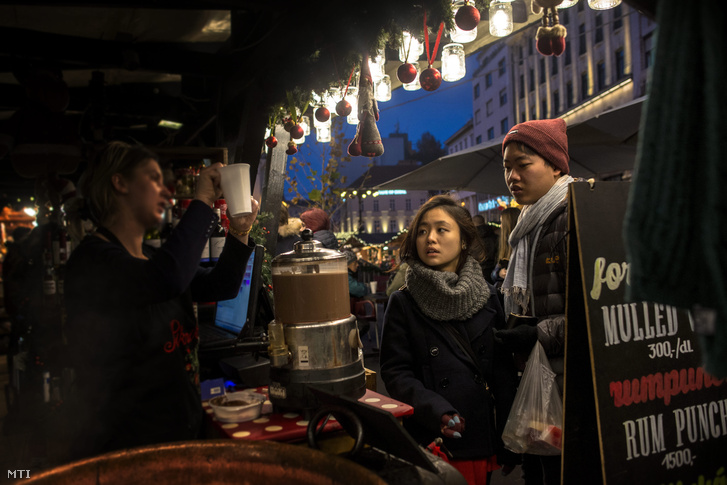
[433,56]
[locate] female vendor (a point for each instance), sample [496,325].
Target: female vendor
[131,330]
[437,350]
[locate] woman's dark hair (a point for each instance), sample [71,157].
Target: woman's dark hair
[95,184]
[467,230]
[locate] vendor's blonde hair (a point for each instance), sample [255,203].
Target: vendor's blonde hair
[96,186]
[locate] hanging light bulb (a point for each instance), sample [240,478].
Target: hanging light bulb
[352,97]
[567,4]
[414,85]
[453,66]
[603,4]
[331,98]
[459,35]
[411,44]
[305,124]
[382,88]
[377,65]
[323,131]
[500,18]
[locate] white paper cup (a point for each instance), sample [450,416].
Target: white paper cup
[373,285]
[235,183]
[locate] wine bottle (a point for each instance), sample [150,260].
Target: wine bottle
[217,239]
[167,226]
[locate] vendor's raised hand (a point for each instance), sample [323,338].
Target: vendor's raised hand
[241,225]
[208,188]
[452,425]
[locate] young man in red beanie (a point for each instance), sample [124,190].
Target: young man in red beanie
[535,155]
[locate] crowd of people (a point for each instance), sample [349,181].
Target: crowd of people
[445,350]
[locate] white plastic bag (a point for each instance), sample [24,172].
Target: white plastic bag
[535,423]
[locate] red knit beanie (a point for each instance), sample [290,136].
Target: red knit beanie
[316,220]
[547,138]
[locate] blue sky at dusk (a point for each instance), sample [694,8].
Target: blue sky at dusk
[441,112]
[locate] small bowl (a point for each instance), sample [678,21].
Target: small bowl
[237,407]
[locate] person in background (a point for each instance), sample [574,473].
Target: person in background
[356,288]
[397,281]
[508,219]
[535,159]
[132,332]
[438,353]
[288,231]
[318,221]
[490,244]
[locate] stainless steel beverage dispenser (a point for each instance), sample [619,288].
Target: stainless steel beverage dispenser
[314,338]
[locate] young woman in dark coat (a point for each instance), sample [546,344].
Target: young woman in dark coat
[462,395]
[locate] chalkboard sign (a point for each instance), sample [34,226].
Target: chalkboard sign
[635,387]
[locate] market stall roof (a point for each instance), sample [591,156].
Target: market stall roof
[598,147]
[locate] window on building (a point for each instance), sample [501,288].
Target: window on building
[541,74]
[554,66]
[504,126]
[601,75]
[421,203]
[490,133]
[556,102]
[488,107]
[581,38]
[488,80]
[478,139]
[567,59]
[407,204]
[522,117]
[477,90]
[376,205]
[521,54]
[584,84]
[620,65]
[569,94]
[392,226]
[544,108]
[618,21]
[503,96]
[521,86]
[392,204]
[599,28]
[465,142]
[501,67]
[530,48]
[377,226]
[564,16]
[478,116]
[580,6]
[531,80]
[648,50]
[533,115]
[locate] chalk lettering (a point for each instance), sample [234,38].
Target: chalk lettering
[661,386]
[701,421]
[612,275]
[650,433]
[621,322]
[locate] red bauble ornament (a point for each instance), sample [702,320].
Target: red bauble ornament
[288,125]
[297,131]
[343,108]
[292,148]
[467,17]
[322,114]
[271,142]
[406,73]
[430,79]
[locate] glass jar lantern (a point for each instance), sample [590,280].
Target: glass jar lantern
[453,63]
[458,35]
[382,89]
[414,85]
[500,18]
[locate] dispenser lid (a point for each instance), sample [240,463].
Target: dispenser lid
[308,249]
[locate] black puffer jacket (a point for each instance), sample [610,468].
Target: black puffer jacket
[547,301]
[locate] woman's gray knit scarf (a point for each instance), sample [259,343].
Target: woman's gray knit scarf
[516,284]
[445,296]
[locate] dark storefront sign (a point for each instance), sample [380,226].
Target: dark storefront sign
[639,407]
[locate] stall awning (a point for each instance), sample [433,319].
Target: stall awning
[600,146]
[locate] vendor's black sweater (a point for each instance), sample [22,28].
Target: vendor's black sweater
[133,335]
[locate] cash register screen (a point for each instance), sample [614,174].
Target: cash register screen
[234,314]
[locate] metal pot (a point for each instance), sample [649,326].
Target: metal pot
[211,462]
